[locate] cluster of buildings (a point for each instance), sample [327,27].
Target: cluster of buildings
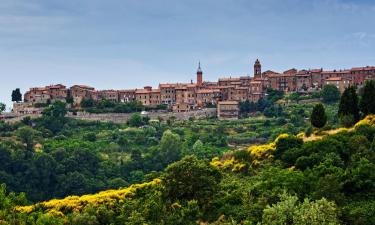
[226,93]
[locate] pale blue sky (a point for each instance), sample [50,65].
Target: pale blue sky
[131,43]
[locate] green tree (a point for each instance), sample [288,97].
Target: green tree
[330,93]
[16,95]
[320,212]
[349,104]
[367,102]
[290,211]
[54,117]
[2,107]
[170,147]
[87,103]
[282,212]
[191,179]
[135,120]
[28,136]
[318,116]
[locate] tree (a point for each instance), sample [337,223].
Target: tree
[170,147]
[191,179]
[87,103]
[290,211]
[16,95]
[135,120]
[2,107]
[28,136]
[330,93]
[318,116]
[348,106]
[367,102]
[54,116]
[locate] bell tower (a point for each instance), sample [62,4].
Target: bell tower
[257,69]
[199,75]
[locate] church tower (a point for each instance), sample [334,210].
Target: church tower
[199,75]
[257,69]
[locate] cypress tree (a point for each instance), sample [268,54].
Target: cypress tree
[349,104]
[16,95]
[367,103]
[318,116]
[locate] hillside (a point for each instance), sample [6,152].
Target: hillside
[329,180]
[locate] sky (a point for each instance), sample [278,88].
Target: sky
[120,44]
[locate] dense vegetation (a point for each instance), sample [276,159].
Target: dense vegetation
[195,171]
[288,181]
[106,106]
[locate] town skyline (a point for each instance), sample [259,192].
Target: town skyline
[125,44]
[155,83]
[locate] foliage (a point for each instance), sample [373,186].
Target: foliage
[367,103]
[318,116]
[2,107]
[290,211]
[16,95]
[330,93]
[326,179]
[191,179]
[136,120]
[349,104]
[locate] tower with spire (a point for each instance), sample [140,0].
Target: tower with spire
[257,69]
[199,75]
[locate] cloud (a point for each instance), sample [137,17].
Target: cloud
[360,35]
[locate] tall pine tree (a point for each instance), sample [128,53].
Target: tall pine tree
[318,116]
[367,102]
[348,106]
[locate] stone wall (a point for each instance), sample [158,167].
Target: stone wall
[123,117]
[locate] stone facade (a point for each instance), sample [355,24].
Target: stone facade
[340,82]
[188,96]
[227,110]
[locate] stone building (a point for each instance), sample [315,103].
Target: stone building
[80,92]
[340,82]
[228,110]
[48,94]
[126,95]
[148,96]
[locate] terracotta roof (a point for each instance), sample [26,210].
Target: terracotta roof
[56,86]
[167,85]
[270,72]
[229,79]
[228,103]
[336,72]
[205,91]
[282,75]
[142,91]
[130,90]
[316,70]
[303,73]
[363,68]
[83,86]
[290,71]
[336,79]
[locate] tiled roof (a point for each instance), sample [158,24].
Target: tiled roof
[228,103]
[363,68]
[336,79]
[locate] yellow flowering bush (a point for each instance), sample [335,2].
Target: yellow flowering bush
[368,120]
[78,203]
[256,154]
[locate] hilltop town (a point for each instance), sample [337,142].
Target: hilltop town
[225,93]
